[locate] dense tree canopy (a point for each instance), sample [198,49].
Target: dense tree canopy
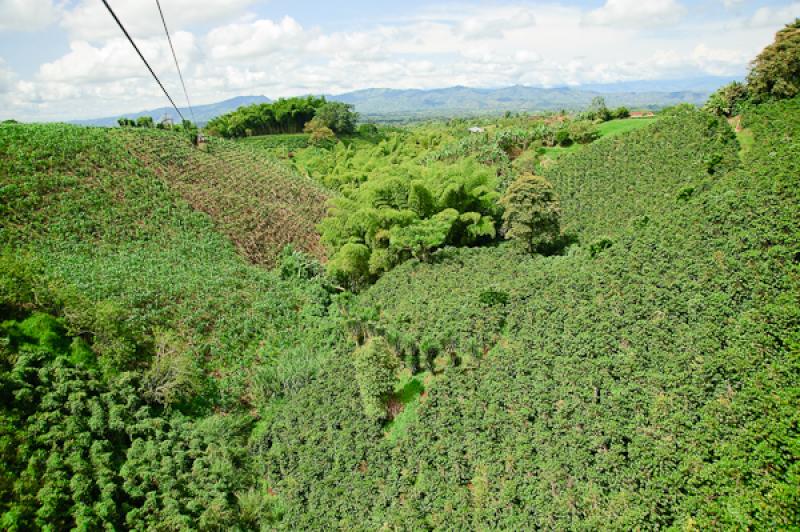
[775,72]
[286,115]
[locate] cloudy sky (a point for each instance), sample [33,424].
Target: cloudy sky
[66,59]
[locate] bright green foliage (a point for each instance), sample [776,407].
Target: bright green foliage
[775,73]
[351,265]
[397,216]
[531,215]
[582,131]
[666,156]
[286,115]
[375,370]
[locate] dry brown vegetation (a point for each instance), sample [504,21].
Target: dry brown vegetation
[256,201]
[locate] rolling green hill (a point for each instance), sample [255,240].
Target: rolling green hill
[646,382]
[173,355]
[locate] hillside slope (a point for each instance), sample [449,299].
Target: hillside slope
[648,381]
[121,246]
[257,202]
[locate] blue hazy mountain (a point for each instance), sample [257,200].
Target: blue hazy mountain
[404,104]
[202,113]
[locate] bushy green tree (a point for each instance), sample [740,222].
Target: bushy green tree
[392,218]
[583,131]
[775,72]
[726,101]
[532,213]
[144,121]
[598,110]
[620,112]
[350,265]
[286,115]
[339,117]
[375,366]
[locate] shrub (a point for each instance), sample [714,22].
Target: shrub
[727,100]
[174,376]
[350,265]
[583,131]
[368,130]
[320,134]
[375,365]
[563,138]
[532,212]
[620,112]
[775,72]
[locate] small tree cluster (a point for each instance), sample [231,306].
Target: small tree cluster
[376,366]
[142,121]
[532,213]
[339,117]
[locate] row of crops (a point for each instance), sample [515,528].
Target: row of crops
[645,383]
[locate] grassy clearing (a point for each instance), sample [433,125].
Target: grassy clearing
[615,127]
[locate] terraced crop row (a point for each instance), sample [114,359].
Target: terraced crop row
[260,204]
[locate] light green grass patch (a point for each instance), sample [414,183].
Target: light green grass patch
[408,393]
[623,125]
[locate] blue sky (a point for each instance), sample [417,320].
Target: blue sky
[65,59]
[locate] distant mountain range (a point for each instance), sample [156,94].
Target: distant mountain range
[202,113]
[400,105]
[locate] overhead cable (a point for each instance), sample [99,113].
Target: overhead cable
[119,23]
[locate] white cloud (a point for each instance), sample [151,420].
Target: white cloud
[495,24]
[89,20]
[6,77]
[729,4]
[26,15]
[252,39]
[86,63]
[775,17]
[496,45]
[719,61]
[636,13]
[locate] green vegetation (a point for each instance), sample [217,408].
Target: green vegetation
[531,213]
[776,70]
[287,115]
[191,340]
[645,385]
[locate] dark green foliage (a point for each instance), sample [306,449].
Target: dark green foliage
[492,298]
[80,452]
[286,115]
[531,213]
[338,117]
[368,130]
[775,73]
[599,245]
